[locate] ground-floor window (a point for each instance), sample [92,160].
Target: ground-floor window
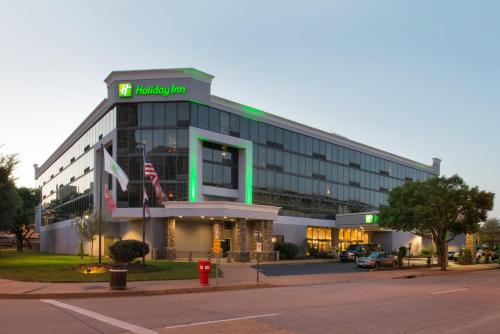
[319,238]
[348,236]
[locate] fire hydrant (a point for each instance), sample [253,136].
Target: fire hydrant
[204,270]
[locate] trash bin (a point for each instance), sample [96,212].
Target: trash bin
[118,279]
[204,270]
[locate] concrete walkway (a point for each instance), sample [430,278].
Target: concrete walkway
[236,276]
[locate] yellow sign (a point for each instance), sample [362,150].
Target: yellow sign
[216,246]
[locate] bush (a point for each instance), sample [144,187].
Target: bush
[125,251]
[287,250]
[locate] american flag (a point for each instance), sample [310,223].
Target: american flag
[146,203]
[149,171]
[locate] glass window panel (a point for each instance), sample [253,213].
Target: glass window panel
[146,113]
[182,138]
[214,121]
[203,117]
[159,114]
[171,140]
[224,122]
[244,128]
[171,114]
[262,133]
[183,111]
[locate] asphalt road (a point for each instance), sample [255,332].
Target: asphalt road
[457,303]
[305,268]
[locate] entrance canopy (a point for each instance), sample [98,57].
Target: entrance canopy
[208,209]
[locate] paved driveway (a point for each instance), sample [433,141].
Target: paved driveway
[308,268]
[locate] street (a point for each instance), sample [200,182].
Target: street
[455,303]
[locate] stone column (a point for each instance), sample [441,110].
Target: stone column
[267,241]
[170,237]
[240,250]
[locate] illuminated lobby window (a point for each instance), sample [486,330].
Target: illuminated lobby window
[349,236]
[319,238]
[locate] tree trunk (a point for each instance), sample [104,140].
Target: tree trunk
[19,242]
[442,254]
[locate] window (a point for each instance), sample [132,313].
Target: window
[159,114]
[220,165]
[224,122]
[214,120]
[183,114]
[203,117]
[171,114]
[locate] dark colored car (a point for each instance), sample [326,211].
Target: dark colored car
[360,250]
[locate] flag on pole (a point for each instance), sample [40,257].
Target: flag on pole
[110,202]
[150,172]
[146,203]
[112,168]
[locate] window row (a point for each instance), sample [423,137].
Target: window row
[302,186]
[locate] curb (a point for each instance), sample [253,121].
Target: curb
[131,293]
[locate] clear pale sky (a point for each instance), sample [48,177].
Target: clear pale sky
[419,79]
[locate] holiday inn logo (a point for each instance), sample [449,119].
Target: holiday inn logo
[125,89]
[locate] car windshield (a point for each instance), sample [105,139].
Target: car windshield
[374,255]
[352,247]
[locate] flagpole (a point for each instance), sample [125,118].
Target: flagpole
[101,185]
[143,205]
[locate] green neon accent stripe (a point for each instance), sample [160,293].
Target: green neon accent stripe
[249,174]
[193,173]
[252,111]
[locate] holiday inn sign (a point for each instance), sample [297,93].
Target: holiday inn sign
[127,89]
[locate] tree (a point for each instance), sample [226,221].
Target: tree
[90,229]
[7,164]
[21,213]
[489,232]
[442,207]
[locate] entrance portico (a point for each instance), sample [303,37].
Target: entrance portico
[193,226]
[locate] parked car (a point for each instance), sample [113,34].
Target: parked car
[376,259]
[452,255]
[354,251]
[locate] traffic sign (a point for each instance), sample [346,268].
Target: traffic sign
[258,249]
[216,246]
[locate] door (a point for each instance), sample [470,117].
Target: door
[225,245]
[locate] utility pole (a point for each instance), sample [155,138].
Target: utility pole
[143,206]
[101,187]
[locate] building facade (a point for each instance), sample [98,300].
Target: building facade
[229,171]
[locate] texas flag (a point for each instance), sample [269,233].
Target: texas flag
[110,202]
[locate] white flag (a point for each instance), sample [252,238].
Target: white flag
[112,168]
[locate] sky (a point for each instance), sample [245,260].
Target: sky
[419,79]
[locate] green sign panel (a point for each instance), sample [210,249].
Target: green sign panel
[370,219]
[126,89]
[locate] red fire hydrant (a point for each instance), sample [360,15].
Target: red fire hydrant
[204,270]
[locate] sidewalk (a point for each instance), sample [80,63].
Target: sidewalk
[236,276]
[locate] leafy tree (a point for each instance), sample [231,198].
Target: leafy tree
[440,206]
[7,164]
[20,216]
[489,232]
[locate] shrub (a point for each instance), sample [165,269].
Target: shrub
[125,251]
[287,250]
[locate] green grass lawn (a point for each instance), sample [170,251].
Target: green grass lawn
[39,267]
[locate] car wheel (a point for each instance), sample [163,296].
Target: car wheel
[376,265]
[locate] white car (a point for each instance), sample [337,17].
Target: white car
[376,259]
